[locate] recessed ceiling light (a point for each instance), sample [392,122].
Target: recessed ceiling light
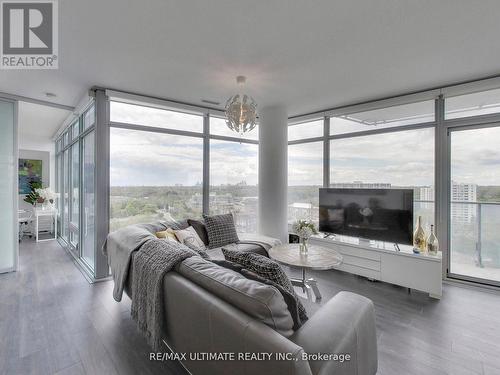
[50,95]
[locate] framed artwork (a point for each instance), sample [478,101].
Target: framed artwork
[30,170]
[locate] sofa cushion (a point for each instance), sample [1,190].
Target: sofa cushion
[289,298]
[190,238]
[189,234]
[269,269]
[199,227]
[245,247]
[263,302]
[221,230]
[227,264]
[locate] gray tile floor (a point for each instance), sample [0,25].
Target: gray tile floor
[52,321]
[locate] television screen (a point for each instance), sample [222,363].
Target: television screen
[374,214]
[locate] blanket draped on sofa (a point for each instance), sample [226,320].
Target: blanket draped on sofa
[151,262]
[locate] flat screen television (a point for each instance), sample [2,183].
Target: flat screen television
[374,214]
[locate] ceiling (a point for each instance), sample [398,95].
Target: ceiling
[308,56]
[39,122]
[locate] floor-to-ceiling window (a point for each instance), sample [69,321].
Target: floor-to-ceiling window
[59,174]
[305,170]
[88,199]
[442,144]
[65,193]
[74,196]
[397,152]
[389,147]
[170,164]
[154,176]
[473,129]
[75,162]
[403,159]
[233,181]
[475,203]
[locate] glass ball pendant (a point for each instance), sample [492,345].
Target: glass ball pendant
[241,111]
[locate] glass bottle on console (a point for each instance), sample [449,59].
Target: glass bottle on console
[432,243]
[419,238]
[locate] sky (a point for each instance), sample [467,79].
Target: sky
[475,156]
[402,158]
[153,159]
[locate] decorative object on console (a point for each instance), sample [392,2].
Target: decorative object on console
[241,111]
[304,229]
[33,196]
[432,243]
[48,197]
[419,238]
[268,269]
[41,196]
[221,230]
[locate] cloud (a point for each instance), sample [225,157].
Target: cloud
[156,159]
[135,114]
[400,158]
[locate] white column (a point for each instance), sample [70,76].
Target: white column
[273,175]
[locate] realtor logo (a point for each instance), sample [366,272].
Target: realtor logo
[29,35]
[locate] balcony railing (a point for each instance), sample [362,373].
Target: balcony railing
[475,239]
[474,235]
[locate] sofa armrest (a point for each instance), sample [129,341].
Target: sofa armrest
[345,325]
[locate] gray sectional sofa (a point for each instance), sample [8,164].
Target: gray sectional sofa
[246,325]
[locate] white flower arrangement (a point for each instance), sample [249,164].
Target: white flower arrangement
[47,194]
[304,229]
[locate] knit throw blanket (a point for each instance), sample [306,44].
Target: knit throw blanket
[150,264]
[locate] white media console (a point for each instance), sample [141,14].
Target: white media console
[381,261]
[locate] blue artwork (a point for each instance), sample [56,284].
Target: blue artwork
[29,171]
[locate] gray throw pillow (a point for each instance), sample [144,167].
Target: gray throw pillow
[227,264]
[199,250]
[290,300]
[199,227]
[221,230]
[268,269]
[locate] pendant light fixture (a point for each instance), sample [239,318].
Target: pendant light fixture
[241,110]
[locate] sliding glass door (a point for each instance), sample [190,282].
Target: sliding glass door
[65,195]
[88,198]
[76,183]
[475,204]
[74,197]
